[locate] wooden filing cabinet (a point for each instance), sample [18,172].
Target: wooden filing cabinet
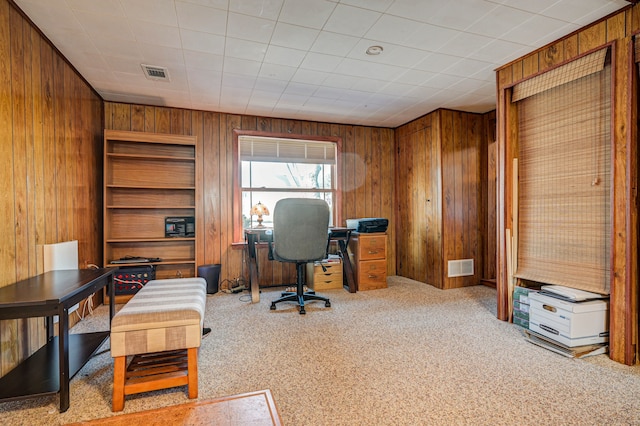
[368,253]
[318,279]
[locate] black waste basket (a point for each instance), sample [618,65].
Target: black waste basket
[211,274]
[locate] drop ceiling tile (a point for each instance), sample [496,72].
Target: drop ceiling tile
[293,36]
[436,62]
[271,85]
[202,42]
[118,48]
[604,10]
[320,62]
[334,44]
[122,64]
[339,81]
[204,83]
[249,27]
[459,14]
[414,77]
[161,12]
[200,18]
[289,99]
[218,4]
[430,37]
[500,52]
[241,66]
[268,9]
[530,6]
[104,7]
[467,66]
[368,85]
[393,29]
[530,30]
[203,61]
[575,10]
[441,81]
[244,49]
[238,81]
[161,35]
[377,5]
[350,20]
[309,76]
[161,56]
[306,13]
[367,69]
[465,44]
[498,22]
[279,72]
[105,26]
[300,89]
[284,56]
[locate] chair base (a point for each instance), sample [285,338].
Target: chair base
[300,296]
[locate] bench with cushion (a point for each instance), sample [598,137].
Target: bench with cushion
[160,329]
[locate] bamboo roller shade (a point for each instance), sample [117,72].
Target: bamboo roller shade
[581,67]
[565,183]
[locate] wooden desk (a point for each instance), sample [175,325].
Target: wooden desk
[252,237]
[255,235]
[49,371]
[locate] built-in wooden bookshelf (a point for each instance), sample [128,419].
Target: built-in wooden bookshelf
[147,178]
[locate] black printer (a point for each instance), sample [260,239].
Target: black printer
[368,225]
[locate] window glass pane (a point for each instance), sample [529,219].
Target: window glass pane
[269,199]
[259,174]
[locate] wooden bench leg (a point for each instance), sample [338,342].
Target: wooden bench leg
[119,369]
[192,368]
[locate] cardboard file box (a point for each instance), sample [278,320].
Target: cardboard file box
[571,324]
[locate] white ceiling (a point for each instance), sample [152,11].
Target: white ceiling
[305,59]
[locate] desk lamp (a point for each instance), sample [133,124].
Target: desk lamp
[259,209]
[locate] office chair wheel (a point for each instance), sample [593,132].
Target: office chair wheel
[327,304]
[273,306]
[302,311]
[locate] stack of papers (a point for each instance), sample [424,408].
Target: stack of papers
[570,294]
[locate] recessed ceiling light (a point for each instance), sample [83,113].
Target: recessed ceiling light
[374,50]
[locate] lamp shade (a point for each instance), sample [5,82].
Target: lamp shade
[259,209]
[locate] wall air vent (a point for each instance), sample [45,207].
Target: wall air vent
[460,268]
[153,72]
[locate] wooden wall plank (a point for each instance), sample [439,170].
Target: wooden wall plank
[592,37]
[51,120]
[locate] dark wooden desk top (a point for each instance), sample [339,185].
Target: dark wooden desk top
[50,288]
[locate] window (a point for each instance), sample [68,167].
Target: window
[273,168]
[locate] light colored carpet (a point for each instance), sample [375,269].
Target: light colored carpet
[406,355]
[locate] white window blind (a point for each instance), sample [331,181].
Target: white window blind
[286,150]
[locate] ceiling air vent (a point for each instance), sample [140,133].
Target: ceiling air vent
[153,72]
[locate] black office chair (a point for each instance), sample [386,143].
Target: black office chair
[300,233]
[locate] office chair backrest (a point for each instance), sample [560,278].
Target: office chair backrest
[300,229]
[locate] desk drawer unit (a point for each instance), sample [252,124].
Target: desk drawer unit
[319,279]
[572,324]
[369,255]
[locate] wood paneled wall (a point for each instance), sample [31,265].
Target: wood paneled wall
[440,196]
[616,30]
[51,168]
[366,175]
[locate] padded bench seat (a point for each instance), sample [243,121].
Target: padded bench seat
[161,327]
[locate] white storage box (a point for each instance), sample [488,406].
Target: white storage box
[571,324]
